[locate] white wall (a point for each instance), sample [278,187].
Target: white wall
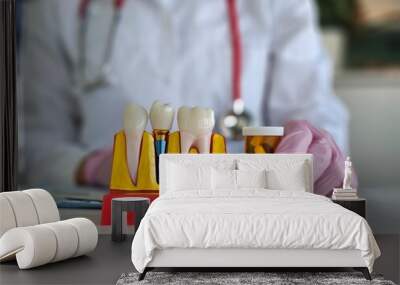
[373,100]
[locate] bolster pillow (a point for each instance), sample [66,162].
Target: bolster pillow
[26,208]
[40,244]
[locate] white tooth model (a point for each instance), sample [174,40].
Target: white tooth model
[161,118]
[135,121]
[195,126]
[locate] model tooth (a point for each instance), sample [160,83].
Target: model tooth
[135,121]
[161,116]
[183,118]
[202,120]
[195,126]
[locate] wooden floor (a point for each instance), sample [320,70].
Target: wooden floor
[110,260]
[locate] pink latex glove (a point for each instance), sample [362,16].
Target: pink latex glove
[302,137]
[95,170]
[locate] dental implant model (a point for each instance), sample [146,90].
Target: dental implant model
[161,119]
[133,165]
[135,121]
[136,151]
[195,126]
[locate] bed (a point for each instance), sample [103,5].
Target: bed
[246,211]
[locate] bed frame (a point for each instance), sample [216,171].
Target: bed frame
[245,259]
[260,259]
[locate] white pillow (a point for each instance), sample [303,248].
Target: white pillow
[285,174]
[223,179]
[183,177]
[290,179]
[251,178]
[227,179]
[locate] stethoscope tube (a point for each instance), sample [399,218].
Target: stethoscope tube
[234,120]
[231,124]
[236,49]
[101,78]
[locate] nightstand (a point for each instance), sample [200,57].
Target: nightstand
[358,205]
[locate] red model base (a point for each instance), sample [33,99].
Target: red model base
[106,208]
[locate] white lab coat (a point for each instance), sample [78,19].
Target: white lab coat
[173,50]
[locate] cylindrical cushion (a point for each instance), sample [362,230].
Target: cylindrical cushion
[33,246]
[45,205]
[37,245]
[67,240]
[7,218]
[23,208]
[87,234]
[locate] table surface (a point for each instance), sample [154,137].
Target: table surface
[130,199]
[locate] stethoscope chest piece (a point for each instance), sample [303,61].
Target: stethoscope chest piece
[232,123]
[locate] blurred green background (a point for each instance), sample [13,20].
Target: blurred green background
[372,32]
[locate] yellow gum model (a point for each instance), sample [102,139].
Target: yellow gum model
[146,173]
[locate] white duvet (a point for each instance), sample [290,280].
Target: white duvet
[250,219]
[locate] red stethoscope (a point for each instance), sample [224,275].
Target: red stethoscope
[231,123]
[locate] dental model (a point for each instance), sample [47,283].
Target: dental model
[135,121]
[195,126]
[161,119]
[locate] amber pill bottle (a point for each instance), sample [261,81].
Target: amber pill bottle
[262,139]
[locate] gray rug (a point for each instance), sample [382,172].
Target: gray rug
[228,278]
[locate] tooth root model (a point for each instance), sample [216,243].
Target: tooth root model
[161,118]
[195,127]
[135,121]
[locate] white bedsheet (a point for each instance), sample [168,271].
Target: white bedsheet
[250,219]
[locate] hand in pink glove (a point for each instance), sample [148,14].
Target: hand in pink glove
[95,169]
[302,137]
